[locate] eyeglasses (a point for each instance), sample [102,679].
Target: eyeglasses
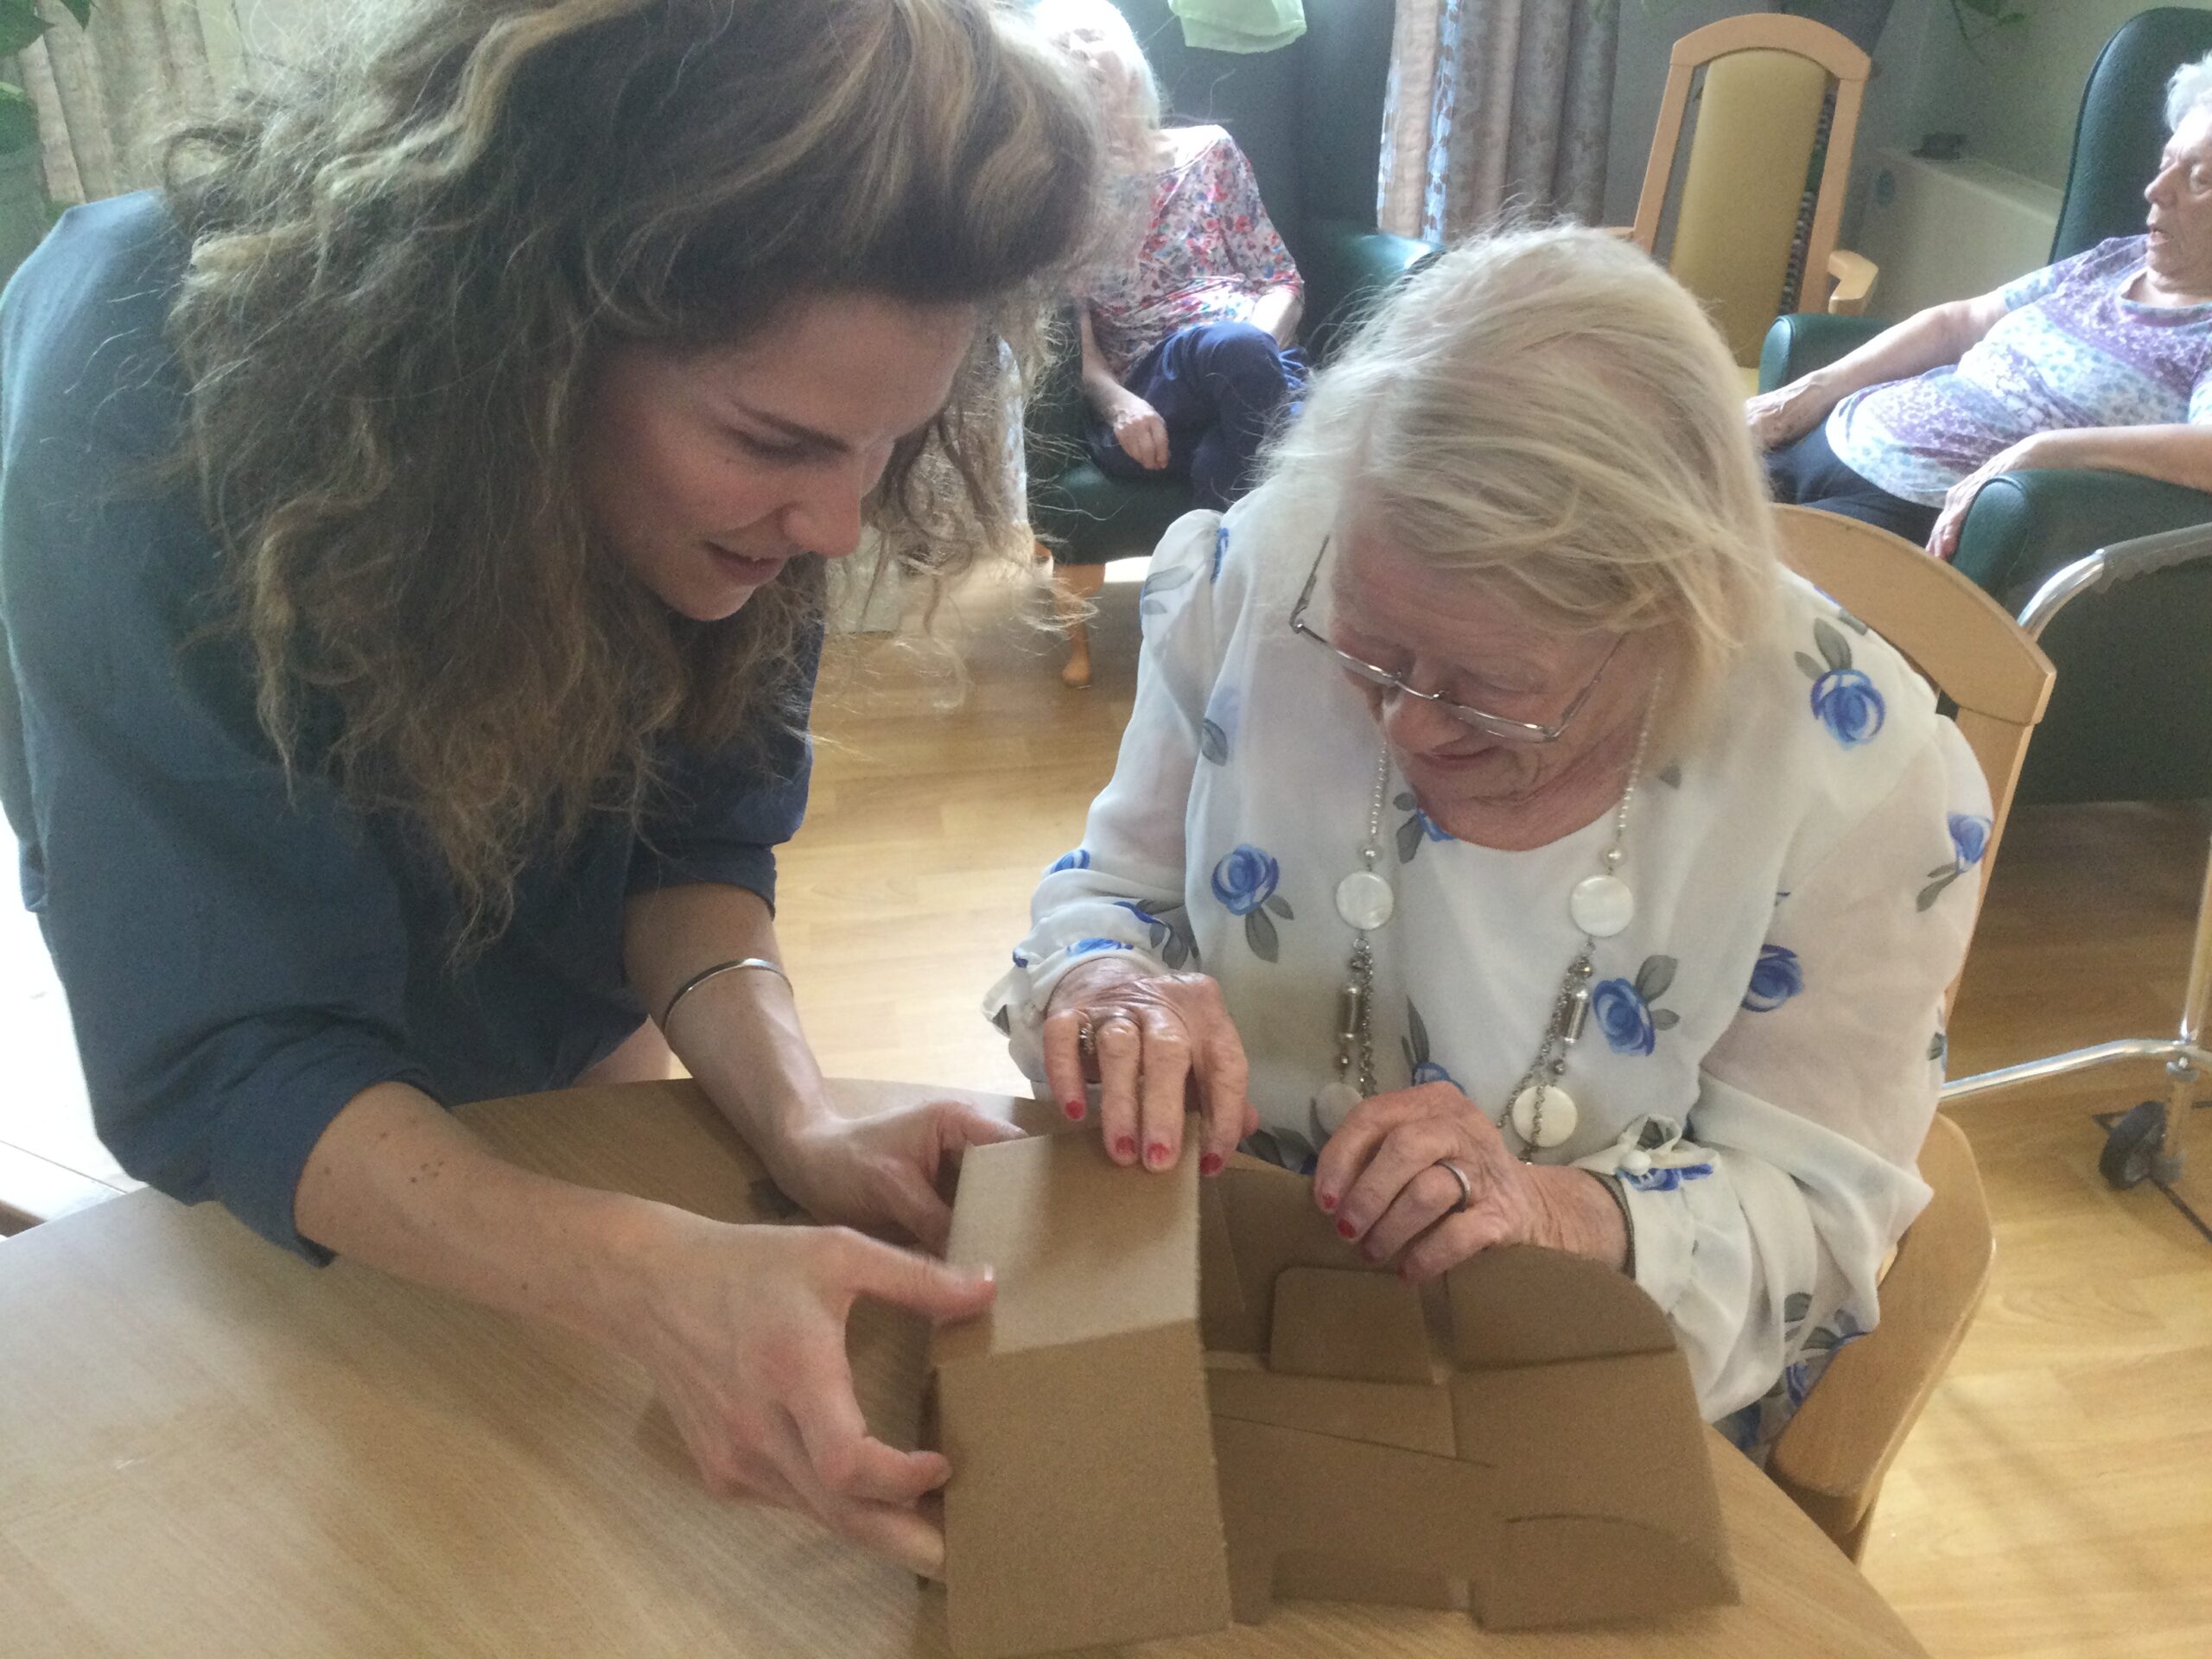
[1497,725]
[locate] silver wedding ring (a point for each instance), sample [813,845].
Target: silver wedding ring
[1086,1038]
[1466,1187]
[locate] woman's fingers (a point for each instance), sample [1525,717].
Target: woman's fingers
[1348,1150]
[1228,1112]
[884,1273]
[1062,1040]
[1430,1196]
[1120,1059]
[1164,1088]
[1406,1153]
[1450,1242]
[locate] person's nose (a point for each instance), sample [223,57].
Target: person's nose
[830,517]
[2157,192]
[1413,725]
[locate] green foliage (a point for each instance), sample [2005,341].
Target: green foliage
[20,27]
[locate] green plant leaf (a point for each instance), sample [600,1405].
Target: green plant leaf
[1280,905]
[18,121]
[1833,650]
[19,27]
[1260,934]
[81,9]
[1654,978]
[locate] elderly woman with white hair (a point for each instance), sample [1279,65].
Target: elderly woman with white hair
[1501,835]
[2103,361]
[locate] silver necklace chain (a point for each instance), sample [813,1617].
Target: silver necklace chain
[1570,1007]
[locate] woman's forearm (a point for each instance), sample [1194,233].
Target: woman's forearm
[1278,311]
[1100,389]
[739,1032]
[2172,454]
[1924,340]
[396,1184]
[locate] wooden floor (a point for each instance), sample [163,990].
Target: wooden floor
[2056,1499]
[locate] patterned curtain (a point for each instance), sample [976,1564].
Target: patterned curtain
[1496,104]
[106,95]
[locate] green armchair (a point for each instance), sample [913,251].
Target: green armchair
[2130,714]
[1309,116]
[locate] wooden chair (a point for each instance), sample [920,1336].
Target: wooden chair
[1833,1455]
[1767,78]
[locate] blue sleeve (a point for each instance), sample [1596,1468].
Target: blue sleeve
[721,816]
[230,942]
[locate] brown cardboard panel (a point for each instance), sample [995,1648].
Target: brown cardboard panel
[1607,1455]
[1360,1325]
[1521,1306]
[1228,1321]
[1083,1508]
[1082,1247]
[1393,1520]
[1412,1418]
[1274,1224]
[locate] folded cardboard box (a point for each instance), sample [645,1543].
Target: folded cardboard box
[1192,1398]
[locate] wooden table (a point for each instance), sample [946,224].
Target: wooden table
[207,1448]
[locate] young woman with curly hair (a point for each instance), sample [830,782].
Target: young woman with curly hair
[413,531]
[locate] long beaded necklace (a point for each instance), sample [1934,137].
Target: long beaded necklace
[1541,1113]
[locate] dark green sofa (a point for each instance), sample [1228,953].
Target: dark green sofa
[1310,117]
[2131,716]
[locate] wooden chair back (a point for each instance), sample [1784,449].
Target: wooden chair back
[1834,1453]
[1959,639]
[1766,82]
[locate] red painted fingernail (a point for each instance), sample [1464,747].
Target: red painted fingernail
[1157,1155]
[1346,1229]
[1074,1108]
[1126,1147]
[1211,1164]
[1328,1201]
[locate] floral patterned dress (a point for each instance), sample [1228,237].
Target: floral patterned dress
[1766,1032]
[1207,253]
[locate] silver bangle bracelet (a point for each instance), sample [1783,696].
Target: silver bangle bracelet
[705,974]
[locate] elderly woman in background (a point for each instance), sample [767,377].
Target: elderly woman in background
[1187,322]
[1558,866]
[2098,361]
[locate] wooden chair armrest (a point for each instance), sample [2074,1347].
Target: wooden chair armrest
[1854,280]
[1833,1455]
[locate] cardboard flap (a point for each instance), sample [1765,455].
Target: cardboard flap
[1274,1224]
[1358,1325]
[1083,1248]
[1228,1321]
[1524,1305]
[1414,1419]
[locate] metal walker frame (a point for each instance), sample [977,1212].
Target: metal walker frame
[2147,1140]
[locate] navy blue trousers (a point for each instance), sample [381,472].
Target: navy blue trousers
[1807,474]
[1218,386]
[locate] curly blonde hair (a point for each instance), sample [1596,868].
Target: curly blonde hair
[403,268]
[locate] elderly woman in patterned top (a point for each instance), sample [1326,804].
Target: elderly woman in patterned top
[1503,835]
[1186,326]
[2102,360]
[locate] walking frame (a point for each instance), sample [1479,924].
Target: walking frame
[2147,1140]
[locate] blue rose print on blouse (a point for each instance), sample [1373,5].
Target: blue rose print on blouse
[1969,840]
[1623,1008]
[1218,727]
[1665,1178]
[1245,880]
[1168,930]
[1844,699]
[1775,977]
[1286,1148]
[1149,602]
[1220,548]
[1086,947]
[1417,828]
[1078,860]
[1422,1068]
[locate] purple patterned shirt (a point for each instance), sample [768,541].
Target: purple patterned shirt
[1207,255]
[2071,351]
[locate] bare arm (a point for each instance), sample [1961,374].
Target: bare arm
[1278,311]
[2171,453]
[1924,340]
[1103,391]
[1135,424]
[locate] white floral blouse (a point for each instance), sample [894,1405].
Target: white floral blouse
[1766,1032]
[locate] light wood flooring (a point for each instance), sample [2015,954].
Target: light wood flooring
[2056,1497]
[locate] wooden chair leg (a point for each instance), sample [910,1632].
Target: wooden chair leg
[1074,586]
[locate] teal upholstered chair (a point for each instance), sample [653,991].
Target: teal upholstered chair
[1310,118]
[2131,713]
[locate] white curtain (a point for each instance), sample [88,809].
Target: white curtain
[106,94]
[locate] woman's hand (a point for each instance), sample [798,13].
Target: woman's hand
[1138,429]
[1378,1175]
[2034,450]
[1164,1046]
[743,1331]
[1788,413]
[891,1167]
